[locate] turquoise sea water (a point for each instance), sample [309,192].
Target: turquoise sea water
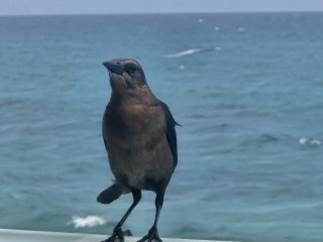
[247,89]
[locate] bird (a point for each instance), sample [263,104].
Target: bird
[140,138]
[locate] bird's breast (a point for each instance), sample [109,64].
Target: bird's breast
[137,142]
[143,124]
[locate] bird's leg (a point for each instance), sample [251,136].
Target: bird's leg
[118,234]
[153,232]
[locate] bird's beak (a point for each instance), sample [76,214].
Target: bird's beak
[114,67]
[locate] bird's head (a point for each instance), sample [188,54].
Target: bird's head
[126,76]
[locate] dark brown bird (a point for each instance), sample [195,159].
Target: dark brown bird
[140,138]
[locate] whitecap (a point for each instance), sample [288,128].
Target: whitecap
[88,221]
[316,142]
[183,53]
[303,141]
[188,52]
[181,67]
[309,141]
[216,28]
[241,29]
[200,20]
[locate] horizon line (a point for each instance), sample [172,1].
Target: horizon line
[161,13]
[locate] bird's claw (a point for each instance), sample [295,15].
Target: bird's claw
[118,235]
[152,236]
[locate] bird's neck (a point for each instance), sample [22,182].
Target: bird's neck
[144,97]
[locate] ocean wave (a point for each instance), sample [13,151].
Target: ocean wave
[181,67]
[309,141]
[241,29]
[267,138]
[188,52]
[200,20]
[88,221]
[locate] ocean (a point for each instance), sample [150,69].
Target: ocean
[246,88]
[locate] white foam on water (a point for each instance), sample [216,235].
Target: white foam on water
[188,52]
[183,53]
[302,141]
[88,221]
[316,142]
[241,29]
[309,141]
[181,67]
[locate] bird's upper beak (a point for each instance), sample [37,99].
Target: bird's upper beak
[114,67]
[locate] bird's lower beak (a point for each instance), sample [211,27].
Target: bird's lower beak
[113,67]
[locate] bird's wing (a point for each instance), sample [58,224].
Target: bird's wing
[105,143]
[170,131]
[104,128]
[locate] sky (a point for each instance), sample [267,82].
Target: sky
[26,7]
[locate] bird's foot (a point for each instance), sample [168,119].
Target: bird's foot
[118,235]
[152,236]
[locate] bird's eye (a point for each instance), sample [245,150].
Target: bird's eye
[131,70]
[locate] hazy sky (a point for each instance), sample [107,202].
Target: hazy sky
[9,7]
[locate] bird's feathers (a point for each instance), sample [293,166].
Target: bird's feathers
[111,193]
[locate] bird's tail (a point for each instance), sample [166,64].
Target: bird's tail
[111,193]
